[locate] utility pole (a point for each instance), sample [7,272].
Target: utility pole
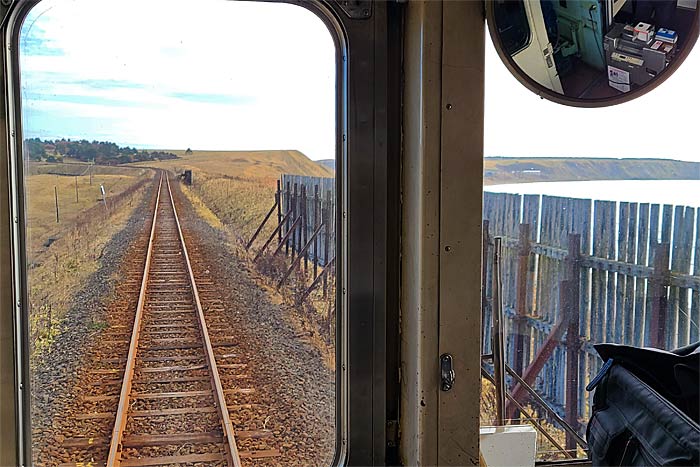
[55,196]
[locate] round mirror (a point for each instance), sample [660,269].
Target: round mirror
[592,53]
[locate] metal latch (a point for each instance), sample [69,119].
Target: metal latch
[356,9]
[447,372]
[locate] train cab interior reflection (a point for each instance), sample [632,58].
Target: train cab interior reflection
[320,233]
[594,49]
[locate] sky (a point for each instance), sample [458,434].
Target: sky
[223,75]
[245,75]
[662,123]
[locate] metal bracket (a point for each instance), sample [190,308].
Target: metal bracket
[392,433]
[447,372]
[356,9]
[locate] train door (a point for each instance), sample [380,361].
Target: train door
[528,42]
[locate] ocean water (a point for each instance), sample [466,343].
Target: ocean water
[675,192]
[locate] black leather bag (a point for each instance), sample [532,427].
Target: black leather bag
[646,407]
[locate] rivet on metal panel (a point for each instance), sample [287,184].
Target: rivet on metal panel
[449,106]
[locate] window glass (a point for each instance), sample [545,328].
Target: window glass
[599,226]
[180,205]
[513,25]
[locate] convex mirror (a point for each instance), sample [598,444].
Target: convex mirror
[592,53]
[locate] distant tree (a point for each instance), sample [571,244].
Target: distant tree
[35,149]
[100,152]
[189,151]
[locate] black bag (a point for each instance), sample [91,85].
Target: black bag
[646,407]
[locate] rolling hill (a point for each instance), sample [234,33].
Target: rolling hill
[499,170]
[245,164]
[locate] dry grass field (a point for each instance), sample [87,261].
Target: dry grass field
[62,255]
[239,186]
[267,165]
[40,201]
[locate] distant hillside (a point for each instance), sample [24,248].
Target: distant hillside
[327,162]
[246,164]
[499,170]
[99,152]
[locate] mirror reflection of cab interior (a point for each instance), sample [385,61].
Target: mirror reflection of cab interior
[593,49]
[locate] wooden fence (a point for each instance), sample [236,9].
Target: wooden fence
[312,201]
[578,272]
[305,229]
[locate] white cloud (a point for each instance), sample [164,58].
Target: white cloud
[221,75]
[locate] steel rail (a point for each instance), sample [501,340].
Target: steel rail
[115,451]
[233,456]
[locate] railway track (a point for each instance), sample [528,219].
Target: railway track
[172,399]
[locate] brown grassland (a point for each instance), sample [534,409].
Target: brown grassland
[57,268]
[40,202]
[239,186]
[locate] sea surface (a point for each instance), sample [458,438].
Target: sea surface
[675,192]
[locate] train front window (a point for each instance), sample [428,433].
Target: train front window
[599,233]
[180,233]
[513,25]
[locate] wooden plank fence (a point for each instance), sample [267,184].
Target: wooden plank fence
[312,199]
[304,214]
[578,272]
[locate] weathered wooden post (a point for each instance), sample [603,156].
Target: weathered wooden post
[327,223]
[497,336]
[484,282]
[288,202]
[304,234]
[570,306]
[278,198]
[55,196]
[317,202]
[659,299]
[521,311]
[295,213]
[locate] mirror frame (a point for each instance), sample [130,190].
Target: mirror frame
[550,95]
